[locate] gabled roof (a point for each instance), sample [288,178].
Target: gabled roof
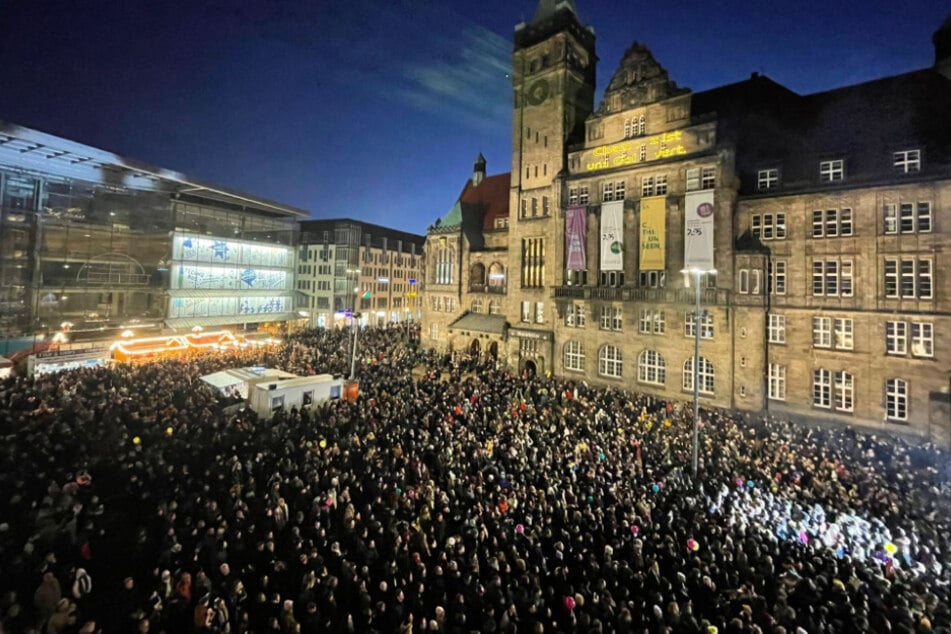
[491,198]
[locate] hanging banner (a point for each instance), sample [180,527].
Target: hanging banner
[653,252]
[612,236]
[698,231]
[576,236]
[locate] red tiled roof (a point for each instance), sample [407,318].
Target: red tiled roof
[492,195]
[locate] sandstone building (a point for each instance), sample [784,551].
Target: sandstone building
[818,222]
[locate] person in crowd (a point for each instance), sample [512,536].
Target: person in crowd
[450,496]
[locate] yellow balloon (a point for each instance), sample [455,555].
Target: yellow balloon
[136,441]
[666,423]
[169,431]
[620,430]
[890,548]
[323,444]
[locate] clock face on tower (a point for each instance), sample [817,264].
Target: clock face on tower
[538,92]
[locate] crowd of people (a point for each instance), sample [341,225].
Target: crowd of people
[450,497]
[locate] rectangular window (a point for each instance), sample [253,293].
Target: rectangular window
[660,184]
[619,190]
[546,206]
[907,161]
[822,332]
[777,382]
[844,332]
[647,186]
[922,339]
[744,282]
[756,281]
[583,195]
[832,223]
[822,388]
[611,318]
[651,322]
[767,179]
[769,226]
[777,328]
[607,191]
[653,279]
[832,278]
[908,278]
[693,179]
[777,277]
[572,196]
[908,218]
[896,337]
[534,207]
[706,325]
[831,171]
[708,177]
[844,391]
[896,399]
[540,312]
[526,312]
[574,315]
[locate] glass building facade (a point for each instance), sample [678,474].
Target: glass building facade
[87,237]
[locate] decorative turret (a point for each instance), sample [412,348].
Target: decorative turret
[478,170]
[942,48]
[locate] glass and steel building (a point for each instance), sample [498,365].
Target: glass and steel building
[88,237]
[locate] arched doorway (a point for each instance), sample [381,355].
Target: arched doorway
[475,349]
[493,350]
[530,369]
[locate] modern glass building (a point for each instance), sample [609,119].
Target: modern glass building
[89,237]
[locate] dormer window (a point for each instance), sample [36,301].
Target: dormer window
[831,171]
[767,179]
[907,161]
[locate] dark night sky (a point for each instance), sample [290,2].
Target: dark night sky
[375,109]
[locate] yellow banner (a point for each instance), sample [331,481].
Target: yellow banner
[653,233]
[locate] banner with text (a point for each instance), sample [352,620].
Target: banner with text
[612,236]
[576,237]
[698,230]
[653,234]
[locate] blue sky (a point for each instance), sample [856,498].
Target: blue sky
[376,109]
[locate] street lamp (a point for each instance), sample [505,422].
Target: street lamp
[698,316]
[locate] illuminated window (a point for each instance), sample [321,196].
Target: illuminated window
[651,367]
[767,179]
[539,312]
[907,161]
[610,363]
[896,399]
[574,356]
[707,378]
[526,312]
[831,171]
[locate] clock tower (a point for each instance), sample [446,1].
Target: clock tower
[553,78]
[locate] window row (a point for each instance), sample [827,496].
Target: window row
[651,366]
[897,218]
[651,185]
[651,321]
[902,278]
[901,337]
[530,208]
[835,390]
[833,170]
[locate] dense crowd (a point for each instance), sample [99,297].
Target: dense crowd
[451,496]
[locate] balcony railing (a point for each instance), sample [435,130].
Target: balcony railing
[495,289]
[708,296]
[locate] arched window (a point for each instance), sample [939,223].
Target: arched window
[445,264]
[496,278]
[609,362]
[651,367]
[706,375]
[477,278]
[574,356]
[477,305]
[642,125]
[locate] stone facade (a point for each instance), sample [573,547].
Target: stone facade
[819,316]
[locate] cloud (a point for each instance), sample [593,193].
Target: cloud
[469,84]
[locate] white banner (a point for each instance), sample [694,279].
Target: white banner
[698,230]
[612,236]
